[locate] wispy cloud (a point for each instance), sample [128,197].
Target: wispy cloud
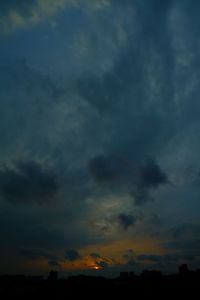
[19,14]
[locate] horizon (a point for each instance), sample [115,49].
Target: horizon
[121,275]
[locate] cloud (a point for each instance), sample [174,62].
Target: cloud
[185,239]
[152,258]
[36,253]
[19,14]
[54,263]
[126,220]
[182,246]
[28,182]
[185,231]
[103,264]
[72,255]
[120,222]
[151,177]
[134,94]
[121,174]
[104,169]
[25,228]
[95,255]
[41,254]
[130,258]
[129,254]
[167,262]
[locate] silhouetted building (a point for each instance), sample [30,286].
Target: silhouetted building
[153,274]
[124,275]
[53,275]
[198,272]
[131,274]
[150,282]
[183,270]
[35,278]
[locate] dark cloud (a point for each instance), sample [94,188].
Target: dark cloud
[188,230]
[169,261]
[132,92]
[95,255]
[130,258]
[122,221]
[28,231]
[54,263]
[152,258]
[189,246]
[22,76]
[120,174]
[127,79]
[150,177]
[100,92]
[183,246]
[102,264]
[105,169]
[36,253]
[28,182]
[126,220]
[72,255]
[185,239]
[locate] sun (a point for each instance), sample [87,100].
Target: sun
[96,268]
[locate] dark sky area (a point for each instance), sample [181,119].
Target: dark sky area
[99,135]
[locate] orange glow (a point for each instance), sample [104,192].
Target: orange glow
[116,249]
[112,253]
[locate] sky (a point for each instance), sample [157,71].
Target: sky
[99,136]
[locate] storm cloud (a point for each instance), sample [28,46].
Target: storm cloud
[72,255]
[95,255]
[99,115]
[28,182]
[118,173]
[104,169]
[185,239]
[150,177]
[126,220]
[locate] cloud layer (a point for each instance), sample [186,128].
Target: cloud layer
[22,14]
[99,125]
[28,182]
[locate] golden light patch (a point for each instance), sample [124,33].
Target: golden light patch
[113,253]
[116,249]
[86,262]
